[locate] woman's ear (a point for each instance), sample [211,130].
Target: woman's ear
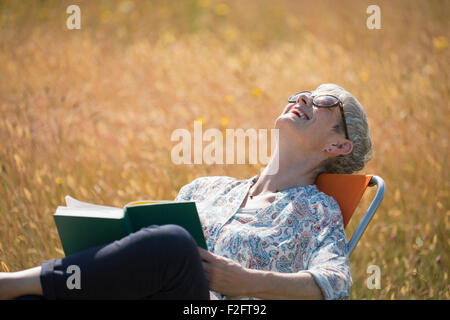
[341,148]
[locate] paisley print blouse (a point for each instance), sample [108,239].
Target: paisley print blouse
[300,231]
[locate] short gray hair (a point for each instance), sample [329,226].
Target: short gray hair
[358,131]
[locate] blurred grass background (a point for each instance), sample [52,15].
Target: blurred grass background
[90,112]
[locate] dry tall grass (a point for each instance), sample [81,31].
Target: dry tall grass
[90,112]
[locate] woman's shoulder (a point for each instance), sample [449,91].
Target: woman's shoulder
[325,199]
[312,194]
[213,180]
[202,186]
[210,183]
[325,207]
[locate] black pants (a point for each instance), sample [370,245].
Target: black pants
[157,262]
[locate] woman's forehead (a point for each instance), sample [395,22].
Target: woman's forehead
[331,89]
[322,91]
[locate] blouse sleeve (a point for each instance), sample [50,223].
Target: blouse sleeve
[187,191]
[328,261]
[199,188]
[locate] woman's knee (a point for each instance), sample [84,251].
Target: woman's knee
[171,239]
[178,239]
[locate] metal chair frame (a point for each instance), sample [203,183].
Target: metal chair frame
[379,183]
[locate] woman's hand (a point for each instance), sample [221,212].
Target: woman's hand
[233,280]
[224,275]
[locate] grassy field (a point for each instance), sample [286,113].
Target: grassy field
[90,112]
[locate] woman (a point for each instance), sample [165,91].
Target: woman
[273,236]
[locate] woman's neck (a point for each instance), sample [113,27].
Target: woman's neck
[286,172]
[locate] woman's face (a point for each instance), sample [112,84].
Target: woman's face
[303,125]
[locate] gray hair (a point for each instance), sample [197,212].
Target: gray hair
[358,131]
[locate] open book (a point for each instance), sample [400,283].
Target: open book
[83,225]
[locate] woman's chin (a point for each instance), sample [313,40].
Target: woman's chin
[283,121]
[287,122]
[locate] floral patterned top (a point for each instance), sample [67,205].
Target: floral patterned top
[301,231]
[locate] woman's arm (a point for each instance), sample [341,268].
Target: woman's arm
[230,278]
[326,274]
[285,286]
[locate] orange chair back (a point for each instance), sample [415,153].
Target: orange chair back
[347,189]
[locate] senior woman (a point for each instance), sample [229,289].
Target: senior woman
[273,236]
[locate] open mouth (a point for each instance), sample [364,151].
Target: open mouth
[299,113]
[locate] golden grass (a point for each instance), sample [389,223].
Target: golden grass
[90,112]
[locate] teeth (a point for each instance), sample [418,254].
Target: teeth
[299,113]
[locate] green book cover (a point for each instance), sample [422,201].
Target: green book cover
[83,225]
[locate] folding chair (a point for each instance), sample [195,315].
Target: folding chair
[348,190]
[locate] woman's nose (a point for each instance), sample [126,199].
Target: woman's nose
[305,99]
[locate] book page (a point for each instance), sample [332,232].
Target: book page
[112,213]
[74,203]
[146,202]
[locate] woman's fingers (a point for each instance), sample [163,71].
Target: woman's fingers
[206,255]
[223,274]
[206,266]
